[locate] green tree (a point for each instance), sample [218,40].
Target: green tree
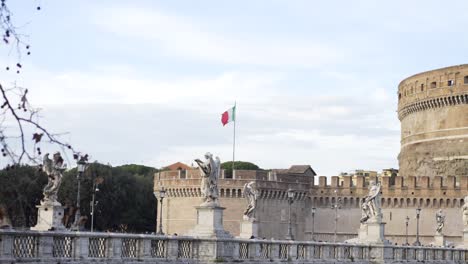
[125,197]
[238,165]
[20,192]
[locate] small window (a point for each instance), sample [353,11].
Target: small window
[422,87]
[433,85]
[465,80]
[450,83]
[399,96]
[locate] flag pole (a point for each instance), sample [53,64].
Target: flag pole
[234,139]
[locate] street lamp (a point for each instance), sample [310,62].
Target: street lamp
[161,193]
[336,206]
[418,212]
[290,194]
[81,167]
[313,223]
[407,222]
[93,203]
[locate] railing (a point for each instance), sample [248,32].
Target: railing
[55,247]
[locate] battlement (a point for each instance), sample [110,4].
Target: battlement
[252,175]
[274,185]
[437,84]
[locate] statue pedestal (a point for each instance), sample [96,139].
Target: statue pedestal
[465,238]
[248,229]
[370,233]
[209,223]
[439,240]
[49,217]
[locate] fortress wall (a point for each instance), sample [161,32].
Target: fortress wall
[398,201]
[348,224]
[179,215]
[433,110]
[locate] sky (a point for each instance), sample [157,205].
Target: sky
[315,82]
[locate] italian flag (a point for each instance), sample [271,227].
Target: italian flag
[229,115]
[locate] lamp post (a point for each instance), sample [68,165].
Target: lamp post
[81,167]
[290,194]
[313,223]
[336,206]
[407,222]
[161,194]
[418,212]
[93,203]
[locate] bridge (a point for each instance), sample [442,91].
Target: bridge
[94,247]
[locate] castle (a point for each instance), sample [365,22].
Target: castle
[433,110]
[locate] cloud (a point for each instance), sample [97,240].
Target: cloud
[181,37]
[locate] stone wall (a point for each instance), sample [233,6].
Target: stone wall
[433,110]
[398,200]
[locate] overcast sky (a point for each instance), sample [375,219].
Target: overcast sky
[315,81]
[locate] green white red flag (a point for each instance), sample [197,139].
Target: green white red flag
[229,116]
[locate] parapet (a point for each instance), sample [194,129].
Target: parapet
[433,89]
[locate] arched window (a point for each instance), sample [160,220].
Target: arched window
[422,87]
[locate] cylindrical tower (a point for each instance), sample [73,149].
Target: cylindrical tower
[433,111]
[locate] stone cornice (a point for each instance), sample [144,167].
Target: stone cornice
[438,102]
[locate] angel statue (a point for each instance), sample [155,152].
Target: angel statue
[251,194]
[210,170]
[440,219]
[54,169]
[465,213]
[371,204]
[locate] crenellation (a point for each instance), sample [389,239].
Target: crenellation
[347,182]
[360,182]
[334,182]
[322,181]
[450,182]
[437,183]
[385,183]
[423,182]
[410,182]
[399,182]
[464,183]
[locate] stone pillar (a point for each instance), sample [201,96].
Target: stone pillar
[208,251]
[81,247]
[49,217]
[381,254]
[172,249]
[6,247]
[465,238]
[209,223]
[439,240]
[371,233]
[145,248]
[248,229]
[45,247]
[115,248]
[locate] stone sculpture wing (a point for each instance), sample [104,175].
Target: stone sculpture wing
[47,164]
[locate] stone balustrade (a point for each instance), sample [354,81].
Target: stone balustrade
[79,247]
